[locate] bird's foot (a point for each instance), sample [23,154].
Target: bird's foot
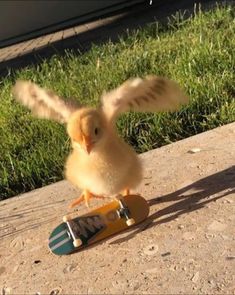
[126,192]
[85,197]
[122,194]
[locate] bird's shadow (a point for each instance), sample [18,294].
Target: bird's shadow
[205,190]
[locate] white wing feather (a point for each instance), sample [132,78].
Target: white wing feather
[43,103]
[143,95]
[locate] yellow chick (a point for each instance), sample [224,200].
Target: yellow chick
[101,163]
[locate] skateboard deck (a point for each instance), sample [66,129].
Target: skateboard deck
[74,234]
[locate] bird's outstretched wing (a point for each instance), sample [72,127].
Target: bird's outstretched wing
[143,95]
[43,103]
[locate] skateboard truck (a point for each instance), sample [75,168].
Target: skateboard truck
[76,241]
[124,212]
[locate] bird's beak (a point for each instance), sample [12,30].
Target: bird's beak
[87,144]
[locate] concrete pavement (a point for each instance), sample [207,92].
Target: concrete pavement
[185,246]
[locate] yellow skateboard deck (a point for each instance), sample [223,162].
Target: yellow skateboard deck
[116,216]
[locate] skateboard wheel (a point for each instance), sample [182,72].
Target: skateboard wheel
[66,218]
[77,243]
[130,221]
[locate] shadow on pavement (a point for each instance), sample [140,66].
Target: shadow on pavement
[208,189]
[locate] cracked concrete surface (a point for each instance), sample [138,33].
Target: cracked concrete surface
[185,246]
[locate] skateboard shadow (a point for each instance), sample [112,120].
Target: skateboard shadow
[205,190]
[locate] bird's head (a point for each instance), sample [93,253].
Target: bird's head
[86,129]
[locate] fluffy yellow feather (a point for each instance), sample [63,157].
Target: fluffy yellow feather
[101,163]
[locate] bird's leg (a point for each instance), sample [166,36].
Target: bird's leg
[85,196]
[126,192]
[88,195]
[77,201]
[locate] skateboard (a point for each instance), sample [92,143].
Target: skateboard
[77,233]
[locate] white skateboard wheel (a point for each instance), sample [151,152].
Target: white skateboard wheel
[130,221]
[77,243]
[66,218]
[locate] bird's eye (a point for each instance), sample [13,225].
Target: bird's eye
[96,131]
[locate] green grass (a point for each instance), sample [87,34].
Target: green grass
[197,52]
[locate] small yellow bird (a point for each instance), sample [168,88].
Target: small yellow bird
[101,163]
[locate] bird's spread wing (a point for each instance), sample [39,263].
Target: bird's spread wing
[143,95]
[43,103]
